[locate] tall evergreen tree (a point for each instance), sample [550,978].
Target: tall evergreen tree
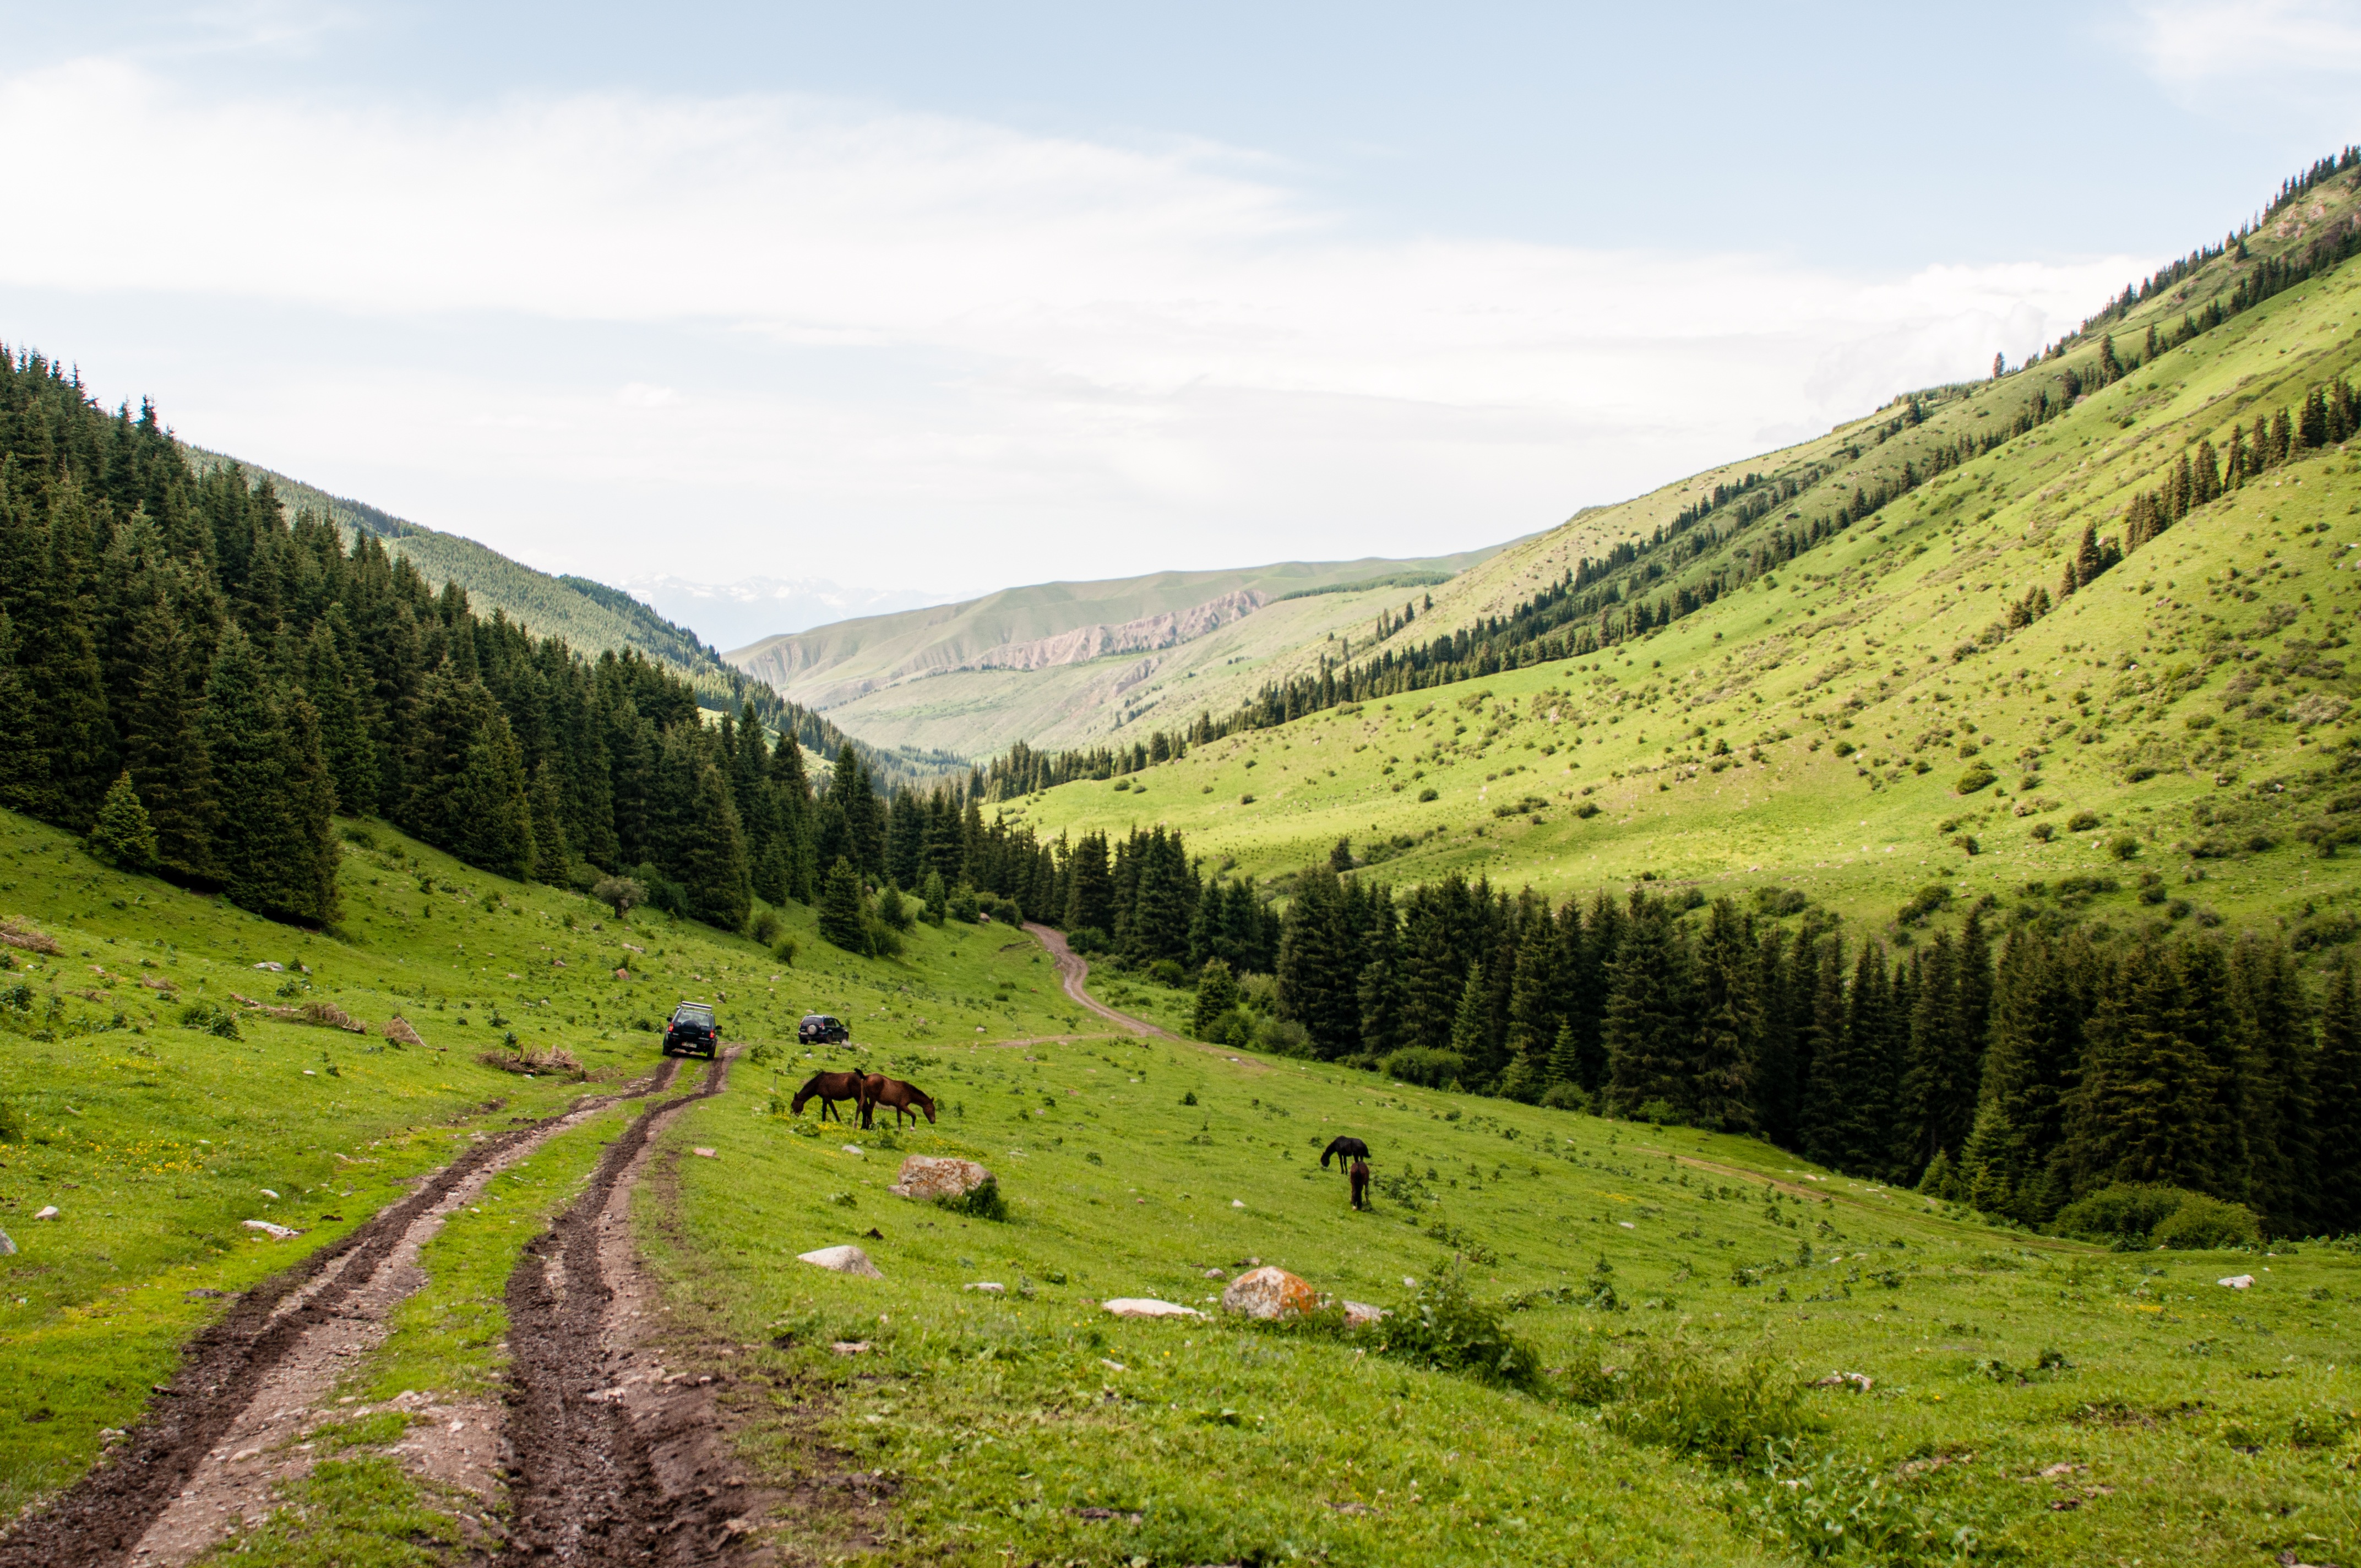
[2336,1094]
[841,908]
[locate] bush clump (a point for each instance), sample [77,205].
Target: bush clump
[2142,1214]
[206,1018]
[1677,1396]
[1447,1328]
[982,1201]
[1427,1066]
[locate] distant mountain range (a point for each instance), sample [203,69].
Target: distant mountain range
[1058,664]
[729,615]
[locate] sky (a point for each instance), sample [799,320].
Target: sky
[924,299]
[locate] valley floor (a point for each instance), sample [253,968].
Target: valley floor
[2016,1398]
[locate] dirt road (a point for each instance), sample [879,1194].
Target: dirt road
[615,1461]
[1073,969]
[195,1464]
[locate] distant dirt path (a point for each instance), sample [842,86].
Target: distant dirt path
[1073,969]
[203,1455]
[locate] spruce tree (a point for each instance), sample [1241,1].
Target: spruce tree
[551,858]
[1566,1059]
[1217,996]
[24,766]
[1532,1015]
[166,747]
[1471,1023]
[123,834]
[1719,1080]
[1646,1029]
[247,743]
[2275,1068]
[841,908]
[310,857]
[2336,1096]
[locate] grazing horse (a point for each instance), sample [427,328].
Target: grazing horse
[1360,1175]
[1345,1150]
[901,1096]
[832,1087]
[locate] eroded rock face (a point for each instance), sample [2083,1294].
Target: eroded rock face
[1269,1292]
[843,1260]
[932,1176]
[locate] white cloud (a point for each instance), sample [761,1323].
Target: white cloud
[2216,39]
[976,354]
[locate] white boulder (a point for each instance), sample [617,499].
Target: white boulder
[843,1259]
[1147,1306]
[932,1176]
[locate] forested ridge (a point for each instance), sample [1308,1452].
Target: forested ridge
[204,684]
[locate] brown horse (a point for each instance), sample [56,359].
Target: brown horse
[901,1096]
[832,1087]
[1360,1177]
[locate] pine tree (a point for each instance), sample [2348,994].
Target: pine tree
[1091,907]
[937,898]
[2274,1051]
[310,857]
[24,768]
[841,908]
[1471,1023]
[1729,1025]
[1646,1031]
[2336,1094]
[247,743]
[1319,966]
[166,749]
[1566,1057]
[122,833]
[551,858]
[1532,996]
[1217,997]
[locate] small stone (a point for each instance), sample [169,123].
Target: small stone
[243,1455]
[1360,1314]
[276,1233]
[1269,1293]
[853,1148]
[989,1287]
[704,1153]
[843,1260]
[932,1176]
[49,1212]
[851,1347]
[1216,1274]
[2235,1281]
[1147,1306]
[1237,1203]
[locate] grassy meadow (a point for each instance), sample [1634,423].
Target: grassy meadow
[156,1139]
[2029,1400]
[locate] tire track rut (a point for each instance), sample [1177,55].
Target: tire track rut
[102,1518]
[613,1461]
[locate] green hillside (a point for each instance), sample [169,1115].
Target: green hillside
[589,616]
[1019,664]
[1877,710]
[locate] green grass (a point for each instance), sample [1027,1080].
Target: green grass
[156,1141]
[2120,704]
[2216,1425]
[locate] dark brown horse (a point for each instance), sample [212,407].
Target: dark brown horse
[901,1096]
[1346,1149]
[1360,1176]
[832,1087]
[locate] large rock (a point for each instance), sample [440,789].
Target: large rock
[1147,1306]
[929,1176]
[1360,1314]
[1269,1292]
[843,1260]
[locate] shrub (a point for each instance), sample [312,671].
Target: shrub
[1167,971]
[204,1018]
[2081,822]
[361,836]
[766,927]
[1676,1395]
[2203,1224]
[982,1201]
[1424,1065]
[2122,846]
[1447,1328]
[620,894]
[1839,1506]
[1283,1036]
[1979,775]
[1925,903]
[892,909]
[2148,1214]
[1423,796]
[783,949]
[1565,1097]
[1086,940]
[123,834]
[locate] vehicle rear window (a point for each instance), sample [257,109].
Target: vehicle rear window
[694,1016]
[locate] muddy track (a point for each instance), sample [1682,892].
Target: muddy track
[606,1459]
[101,1518]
